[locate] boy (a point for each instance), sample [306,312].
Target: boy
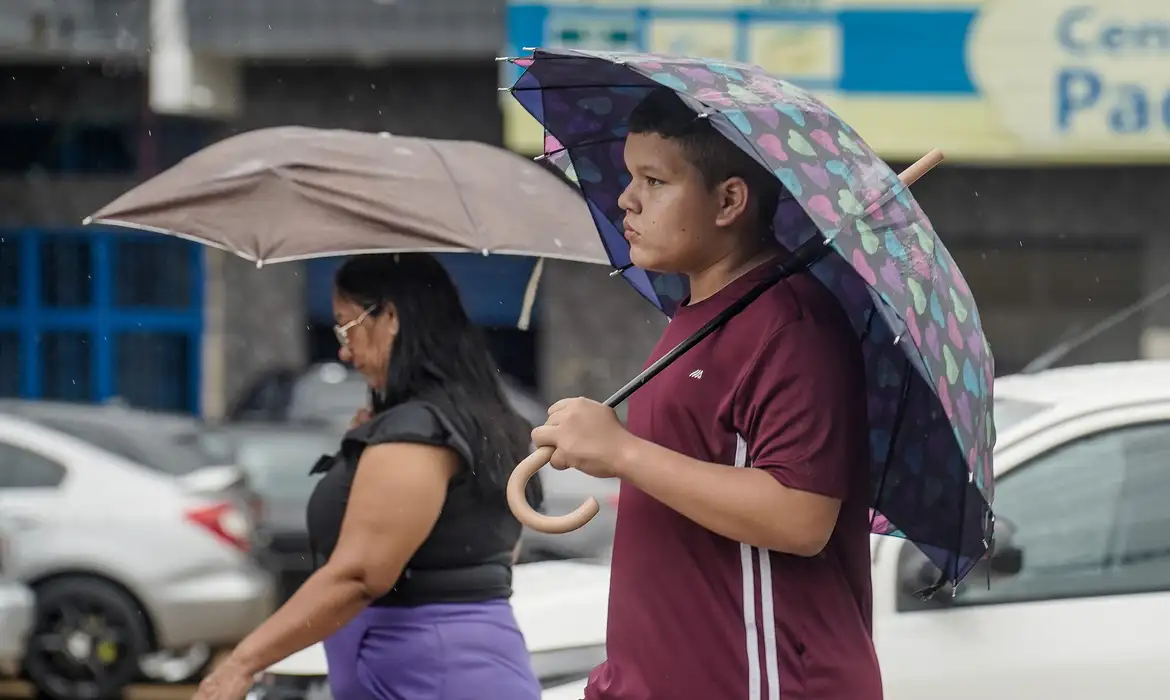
[744,582]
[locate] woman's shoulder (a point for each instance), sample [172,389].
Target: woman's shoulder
[415,421]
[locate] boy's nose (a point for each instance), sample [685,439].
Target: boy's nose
[627,201]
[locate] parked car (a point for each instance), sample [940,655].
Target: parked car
[1082,507]
[138,544]
[17,608]
[328,394]
[556,606]
[277,458]
[1074,603]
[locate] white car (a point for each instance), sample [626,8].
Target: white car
[560,607]
[17,607]
[1082,494]
[1079,601]
[129,557]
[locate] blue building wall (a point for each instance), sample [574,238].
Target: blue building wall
[90,315]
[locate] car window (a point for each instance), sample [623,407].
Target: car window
[278,465]
[331,393]
[328,393]
[22,469]
[163,449]
[1143,550]
[1091,519]
[265,400]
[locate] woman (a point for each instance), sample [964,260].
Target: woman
[409,525]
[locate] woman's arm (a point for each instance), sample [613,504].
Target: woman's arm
[395,499]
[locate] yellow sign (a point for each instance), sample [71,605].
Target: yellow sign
[1007,81]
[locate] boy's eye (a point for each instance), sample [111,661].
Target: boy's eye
[653,181]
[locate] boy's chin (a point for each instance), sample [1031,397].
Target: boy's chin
[647,260]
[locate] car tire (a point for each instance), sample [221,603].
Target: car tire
[87,641]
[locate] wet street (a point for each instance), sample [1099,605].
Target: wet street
[17,689]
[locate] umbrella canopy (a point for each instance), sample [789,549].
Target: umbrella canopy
[929,366]
[292,193]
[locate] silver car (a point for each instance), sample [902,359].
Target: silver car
[17,606]
[133,540]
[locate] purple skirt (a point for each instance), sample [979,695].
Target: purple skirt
[465,651]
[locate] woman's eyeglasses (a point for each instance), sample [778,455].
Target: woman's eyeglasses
[342,332]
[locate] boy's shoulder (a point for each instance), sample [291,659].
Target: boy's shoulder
[801,297]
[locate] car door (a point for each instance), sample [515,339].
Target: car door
[1086,617]
[29,483]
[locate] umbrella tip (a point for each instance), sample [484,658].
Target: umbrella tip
[528,48]
[503,89]
[87,221]
[259,263]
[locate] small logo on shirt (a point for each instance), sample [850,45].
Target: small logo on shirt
[697,374]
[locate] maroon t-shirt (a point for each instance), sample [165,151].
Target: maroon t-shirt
[693,614]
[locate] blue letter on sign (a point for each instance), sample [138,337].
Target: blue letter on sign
[1076,89]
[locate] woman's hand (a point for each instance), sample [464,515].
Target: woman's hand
[363,414]
[228,681]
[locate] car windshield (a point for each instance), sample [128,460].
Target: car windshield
[168,449]
[278,464]
[1010,412]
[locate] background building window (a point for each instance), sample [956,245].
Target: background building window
[87,315]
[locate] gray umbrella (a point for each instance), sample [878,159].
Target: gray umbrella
[293,193]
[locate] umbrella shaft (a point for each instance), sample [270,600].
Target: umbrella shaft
[806,255]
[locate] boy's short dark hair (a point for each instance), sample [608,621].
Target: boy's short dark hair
[717,159]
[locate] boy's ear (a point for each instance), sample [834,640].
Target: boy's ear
[733,201]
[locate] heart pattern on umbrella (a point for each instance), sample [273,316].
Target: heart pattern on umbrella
[932,468]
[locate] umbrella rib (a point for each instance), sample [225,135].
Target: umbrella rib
[586,144]
[644,86]
[454,185]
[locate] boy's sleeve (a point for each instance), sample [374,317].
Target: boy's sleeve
[801,407]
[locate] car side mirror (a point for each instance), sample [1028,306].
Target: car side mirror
[1006,556]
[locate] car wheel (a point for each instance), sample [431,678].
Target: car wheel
[87,641]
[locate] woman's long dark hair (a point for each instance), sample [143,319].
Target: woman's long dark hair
[438,354]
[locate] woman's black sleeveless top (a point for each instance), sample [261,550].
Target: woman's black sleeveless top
[468,555]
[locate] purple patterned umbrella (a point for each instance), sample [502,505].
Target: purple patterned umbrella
[929,366]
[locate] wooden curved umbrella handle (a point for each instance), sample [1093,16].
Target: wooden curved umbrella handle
[560,524]
[550,524]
